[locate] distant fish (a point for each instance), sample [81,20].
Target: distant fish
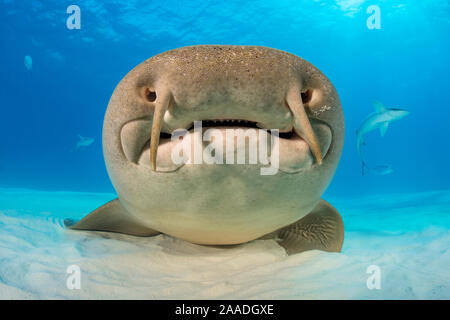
[28,63]
[378,119]
[83,142]
[380,170]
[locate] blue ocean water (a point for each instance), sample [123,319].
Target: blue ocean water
[404,64]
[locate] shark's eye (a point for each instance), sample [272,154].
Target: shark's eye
[150,95]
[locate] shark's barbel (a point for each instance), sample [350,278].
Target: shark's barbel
[161,106]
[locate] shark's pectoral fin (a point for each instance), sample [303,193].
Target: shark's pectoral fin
[321,229]
[383,128]
[111,217]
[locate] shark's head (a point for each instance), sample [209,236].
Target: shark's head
[396,114]
[223,86]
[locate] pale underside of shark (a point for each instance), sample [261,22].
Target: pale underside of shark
[248,87]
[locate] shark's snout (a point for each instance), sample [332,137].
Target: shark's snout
[248,93]
[284,114]
[297,135]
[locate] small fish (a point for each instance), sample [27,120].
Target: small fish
[28,63]
[378,119]
[380,170]
[83,142]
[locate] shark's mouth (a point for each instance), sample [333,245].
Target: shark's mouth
[295,153]
[233,124]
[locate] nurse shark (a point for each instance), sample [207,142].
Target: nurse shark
[223,204]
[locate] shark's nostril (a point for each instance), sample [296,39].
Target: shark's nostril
[150,95]
[306,96]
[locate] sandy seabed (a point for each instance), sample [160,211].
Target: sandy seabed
[406,235]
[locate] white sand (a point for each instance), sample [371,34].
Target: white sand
[407,236]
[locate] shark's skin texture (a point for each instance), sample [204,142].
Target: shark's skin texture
[222,204]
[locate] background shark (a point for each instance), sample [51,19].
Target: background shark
[378,119]
[83,142]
